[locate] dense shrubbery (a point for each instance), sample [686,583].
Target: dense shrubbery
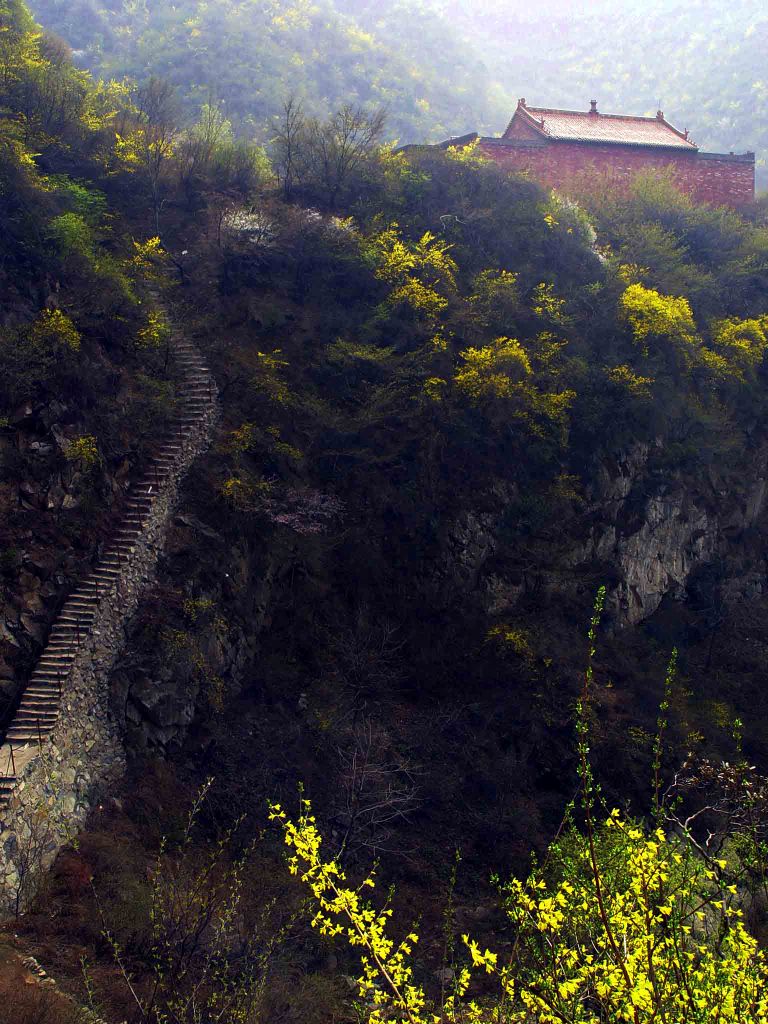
[406,342]
[622,921]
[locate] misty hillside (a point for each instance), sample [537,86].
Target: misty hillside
[444,68]
[251,56]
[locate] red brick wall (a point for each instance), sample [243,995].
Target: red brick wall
[718,179]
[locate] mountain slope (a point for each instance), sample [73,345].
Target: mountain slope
[444,67]
[254,55]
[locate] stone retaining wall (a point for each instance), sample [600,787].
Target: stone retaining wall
[70,769]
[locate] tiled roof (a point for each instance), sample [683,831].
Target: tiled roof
[623,129]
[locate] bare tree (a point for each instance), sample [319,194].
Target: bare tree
[339,146]
[159,130]
[378,792]
[211,952]
[363,662]
[288,145]
[324,155]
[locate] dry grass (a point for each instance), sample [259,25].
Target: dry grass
[24,999]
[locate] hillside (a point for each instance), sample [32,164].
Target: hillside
[253,56]
[444,68]
[460,418]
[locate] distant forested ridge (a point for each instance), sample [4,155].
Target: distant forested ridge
[252,55]
[442,67]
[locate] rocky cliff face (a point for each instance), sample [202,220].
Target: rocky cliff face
[56,511]
[646,533]
[54,515]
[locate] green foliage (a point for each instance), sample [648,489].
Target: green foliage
[84,201]
[53,328]
[655,316]
[420,274]
[155,332]
[494,371]
[34,357]
[84,450]
[73,238]
[628,924]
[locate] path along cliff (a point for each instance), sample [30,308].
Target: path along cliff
[63,747]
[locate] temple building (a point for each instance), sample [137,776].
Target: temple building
[570,147]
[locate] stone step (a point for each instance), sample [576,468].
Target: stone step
[34,704]
[37,691]
[30,716]
[24,735]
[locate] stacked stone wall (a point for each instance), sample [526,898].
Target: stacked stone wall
[59,780]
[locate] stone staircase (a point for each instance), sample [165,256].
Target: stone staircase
[41,701]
